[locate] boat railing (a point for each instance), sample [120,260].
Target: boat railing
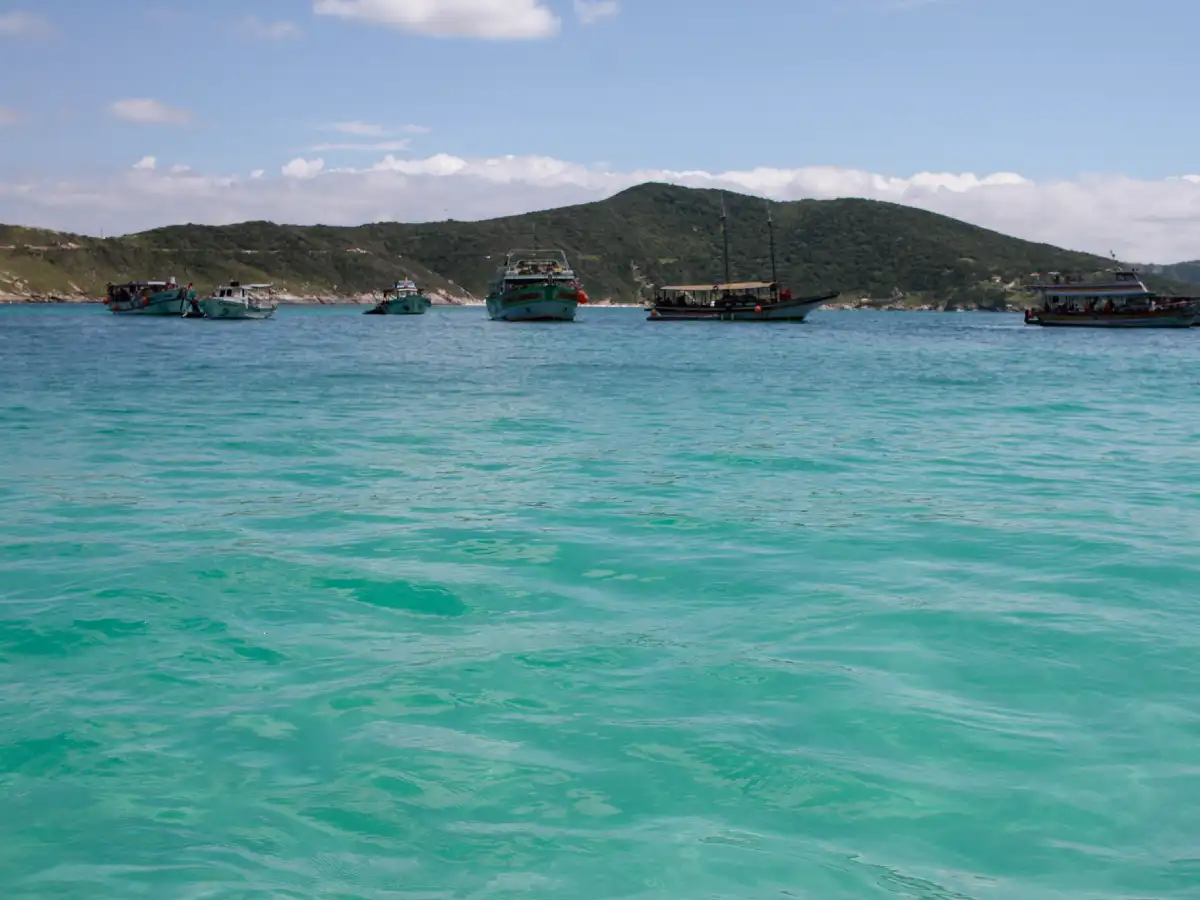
[537,263]
[541,255]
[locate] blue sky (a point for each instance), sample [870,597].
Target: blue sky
[1057,91]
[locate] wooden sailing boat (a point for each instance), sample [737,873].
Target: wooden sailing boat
[741,301]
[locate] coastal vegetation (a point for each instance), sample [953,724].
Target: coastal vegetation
[875,253]
[1182,272]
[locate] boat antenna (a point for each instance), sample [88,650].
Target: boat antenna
[771,238]
[725,236]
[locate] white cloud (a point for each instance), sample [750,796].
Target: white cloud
[368,129]
[377,147]
[22,24]
[364,129]
[149,112]
[490,19]
[1142,220]
[258,173]
[146,163]
[180,168]
[303,168]
[9,116]
[591,11]
[253,27]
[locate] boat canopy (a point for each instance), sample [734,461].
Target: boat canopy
[1120,286]
[732,286]
[1076,280]
[237,289]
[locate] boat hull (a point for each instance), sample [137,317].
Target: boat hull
[163,303]
[404,306]
[231,308]
[538,303]
[1157,319]
[785,311]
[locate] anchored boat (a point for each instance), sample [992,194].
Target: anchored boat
[240,301]
[149,298]
[743,301]
[1122,301]
[535,286]
[403,298]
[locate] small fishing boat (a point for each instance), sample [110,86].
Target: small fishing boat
[149,298]
[239,301]
[403,298]
[729,301]
[535,286]
[1120,301]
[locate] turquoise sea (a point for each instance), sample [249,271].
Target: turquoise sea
[879,606]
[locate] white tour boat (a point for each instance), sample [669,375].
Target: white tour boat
[239,301]
[1120,300]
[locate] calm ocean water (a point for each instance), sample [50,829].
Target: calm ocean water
[878,606]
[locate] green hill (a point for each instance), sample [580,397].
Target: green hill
[1182,272]
[650,234]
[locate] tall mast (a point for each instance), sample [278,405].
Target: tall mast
[725,236]
[771,237]
[535,246]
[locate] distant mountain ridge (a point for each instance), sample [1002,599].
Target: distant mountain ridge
[1183,272]
[650,234]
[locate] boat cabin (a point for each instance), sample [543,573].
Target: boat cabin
[741,293]
[239,291]
[119,293]
[401,289]
[523,267]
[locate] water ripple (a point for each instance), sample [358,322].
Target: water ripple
[880,606]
